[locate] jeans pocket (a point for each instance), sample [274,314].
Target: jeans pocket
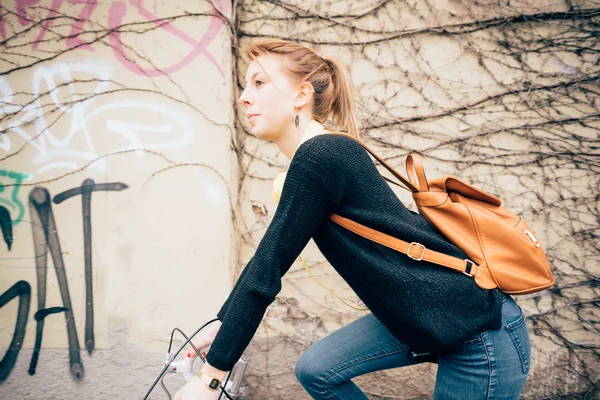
[520,338]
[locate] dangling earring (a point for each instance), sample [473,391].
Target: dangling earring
[297,120]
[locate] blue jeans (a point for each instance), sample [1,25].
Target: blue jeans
[493,364]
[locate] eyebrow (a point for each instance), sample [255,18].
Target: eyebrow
[253,75]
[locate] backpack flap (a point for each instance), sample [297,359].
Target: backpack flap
[456,185]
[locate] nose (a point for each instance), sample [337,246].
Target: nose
[245,100]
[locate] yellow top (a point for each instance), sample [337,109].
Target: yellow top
[312,129]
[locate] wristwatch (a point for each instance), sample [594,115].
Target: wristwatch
[210,381]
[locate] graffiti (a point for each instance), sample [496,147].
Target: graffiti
[117,12]
[12,203]
[6,107]
[48,145]
[174,128]
[6,223]
[85,191]
[69,92]
[22,290]
[45,236]
[46,240]
[72,40]
[6,227]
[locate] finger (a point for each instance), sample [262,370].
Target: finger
[177,396]
[192,353]
[204,351]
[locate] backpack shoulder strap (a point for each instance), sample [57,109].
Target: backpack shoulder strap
[408,185]
[414,164]
[414,250]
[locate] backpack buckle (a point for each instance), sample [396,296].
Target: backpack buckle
[467,271]
[422,253]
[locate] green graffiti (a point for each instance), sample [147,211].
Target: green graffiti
[13,202]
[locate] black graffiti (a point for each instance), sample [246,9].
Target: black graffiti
[6,226]
[40,315]
[45,236]
[22,290]
[46,240]
[85,191]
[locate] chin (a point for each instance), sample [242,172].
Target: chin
[262,133]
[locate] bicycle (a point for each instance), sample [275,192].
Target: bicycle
[185,366]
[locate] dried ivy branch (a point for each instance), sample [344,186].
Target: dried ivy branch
[514,109]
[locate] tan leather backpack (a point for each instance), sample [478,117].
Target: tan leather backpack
[502,249]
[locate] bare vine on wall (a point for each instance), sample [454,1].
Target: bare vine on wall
[503,94]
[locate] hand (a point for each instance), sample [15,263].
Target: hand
[203,340]
[195,389]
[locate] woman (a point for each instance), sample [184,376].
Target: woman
[479,336]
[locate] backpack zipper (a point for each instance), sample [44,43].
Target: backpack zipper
[533,239]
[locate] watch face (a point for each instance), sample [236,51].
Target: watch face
[214,383]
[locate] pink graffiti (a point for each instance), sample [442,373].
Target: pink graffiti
[84,15]
[117,12]
[21,14]
[72,40]
[21,10]
[222,5]
[52,11]
[115,15]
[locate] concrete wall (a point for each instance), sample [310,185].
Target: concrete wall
[119,125]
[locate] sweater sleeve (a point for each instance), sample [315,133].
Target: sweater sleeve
[310,194]
[223,310]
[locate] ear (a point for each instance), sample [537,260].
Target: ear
[305,92]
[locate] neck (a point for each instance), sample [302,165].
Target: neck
[288,142]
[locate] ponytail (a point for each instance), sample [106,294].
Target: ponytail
[342,105]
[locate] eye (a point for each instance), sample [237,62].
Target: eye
[258,83]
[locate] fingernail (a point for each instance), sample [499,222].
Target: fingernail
[189,354]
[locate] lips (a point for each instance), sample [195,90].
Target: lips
[251,115]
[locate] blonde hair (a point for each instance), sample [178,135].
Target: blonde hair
[334,93]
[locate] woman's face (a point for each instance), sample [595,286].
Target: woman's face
[269,98]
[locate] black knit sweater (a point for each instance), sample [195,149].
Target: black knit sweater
[428,307]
